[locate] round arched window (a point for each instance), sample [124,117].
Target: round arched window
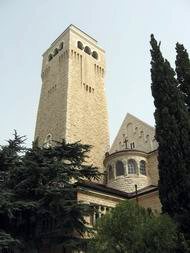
[48,141]
[132,167]
[80,45]
[119,168]
[110,172]
[143,167]
[87,50]
[95,55]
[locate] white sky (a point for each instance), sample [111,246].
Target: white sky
[122,28]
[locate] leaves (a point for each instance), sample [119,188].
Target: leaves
[132,229]
[38,194]
[172,132]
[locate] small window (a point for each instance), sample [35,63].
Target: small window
[95,55]
[87,50]
[143,167]
[119,168]
[80,45]
[132,167]
[61,46]
[55,52]
[102,72]
[132,145]
[48,141]
[110,172]
[50,57]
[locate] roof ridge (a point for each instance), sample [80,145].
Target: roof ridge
[139,120]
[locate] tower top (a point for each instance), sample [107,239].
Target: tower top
[75,29]
[80,33]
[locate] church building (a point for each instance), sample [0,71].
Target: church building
[73,107]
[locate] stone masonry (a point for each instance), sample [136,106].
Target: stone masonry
[135,142]
[72,102]
[134,134]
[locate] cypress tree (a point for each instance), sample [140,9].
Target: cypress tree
[183,72]
[172,134]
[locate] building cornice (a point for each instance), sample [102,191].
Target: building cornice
[127,152]
[80,33]
[124,152]
[101,188]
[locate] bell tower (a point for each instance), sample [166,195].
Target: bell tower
[72,102]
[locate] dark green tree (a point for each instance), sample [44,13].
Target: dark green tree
[130,228]
[172,133]
[38,201]
[183,72]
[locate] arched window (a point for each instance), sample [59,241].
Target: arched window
[119,168]
[95,55]
[132,167]
[55,51]
[50,56]
[110,172]
[87,50]
[80,45]
[61,46]
[143,167]
[48,141]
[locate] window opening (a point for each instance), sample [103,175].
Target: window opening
[119,168]
[132,167]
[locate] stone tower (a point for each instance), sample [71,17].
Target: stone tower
[72,102]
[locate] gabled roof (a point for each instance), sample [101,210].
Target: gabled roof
[143,122]
[136,122]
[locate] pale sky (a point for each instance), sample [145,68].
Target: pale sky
[122,28]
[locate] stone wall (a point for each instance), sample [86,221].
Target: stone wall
[153,167]
[127,181]
[134,134]
[73,102]
[87,110]
[51,118]
[147,200]
[150,200]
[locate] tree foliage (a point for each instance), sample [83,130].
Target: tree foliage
[38,193]
[183,72]
[132,229]
[173,136]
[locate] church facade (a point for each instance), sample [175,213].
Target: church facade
[73,106]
